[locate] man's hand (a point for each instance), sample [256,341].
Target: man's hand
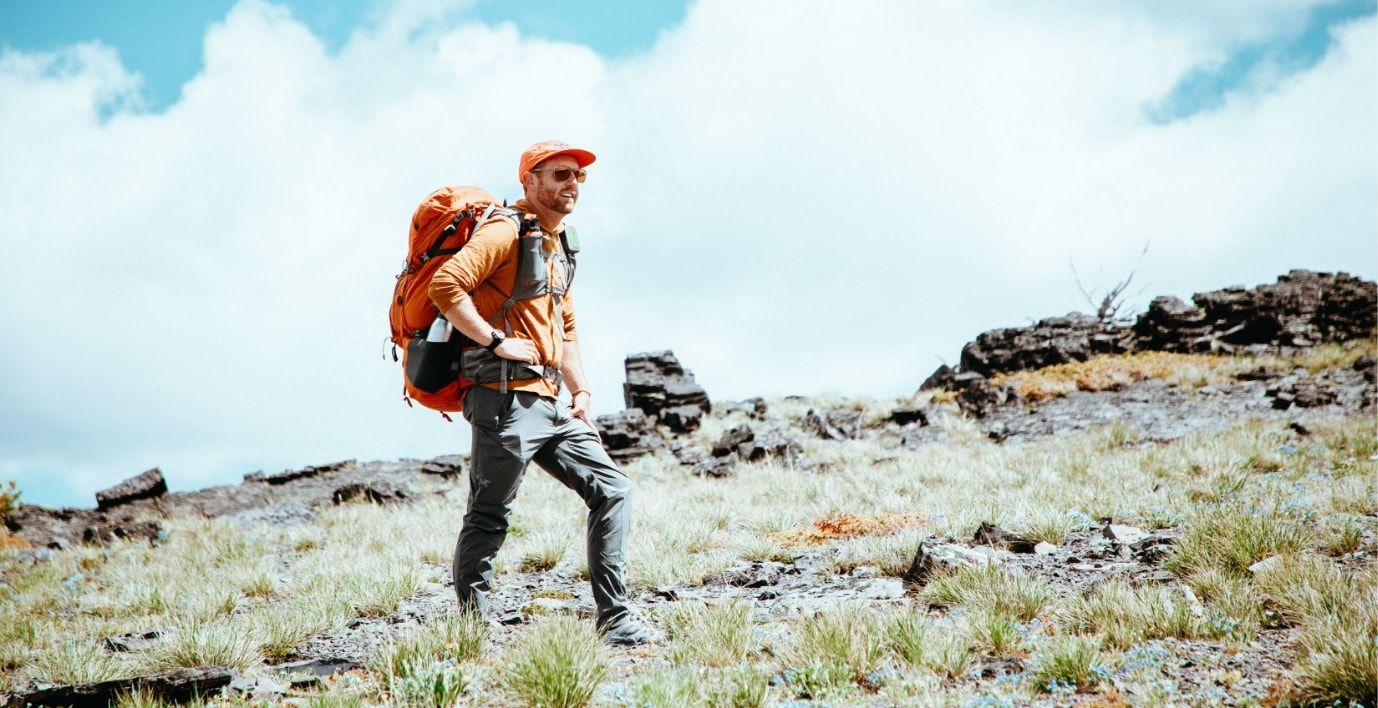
[579,408]
[513,349]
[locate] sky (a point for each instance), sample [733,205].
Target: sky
[203,205]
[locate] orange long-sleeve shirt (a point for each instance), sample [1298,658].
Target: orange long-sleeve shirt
[485,270]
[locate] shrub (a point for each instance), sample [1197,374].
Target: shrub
[560,663]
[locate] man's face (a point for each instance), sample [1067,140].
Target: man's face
[557,196]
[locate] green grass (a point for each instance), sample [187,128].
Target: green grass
[989,588]
[558,664]
[719,636]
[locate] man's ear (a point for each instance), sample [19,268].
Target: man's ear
[529,180]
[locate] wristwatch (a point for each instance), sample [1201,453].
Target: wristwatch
[498,336]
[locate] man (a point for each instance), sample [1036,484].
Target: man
[519,311]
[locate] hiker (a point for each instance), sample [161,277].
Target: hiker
[524,325]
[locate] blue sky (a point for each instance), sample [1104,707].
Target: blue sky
[162,40]
[220,192]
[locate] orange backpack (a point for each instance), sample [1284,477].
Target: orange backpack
[441,225]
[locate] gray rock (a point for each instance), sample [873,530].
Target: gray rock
[125,531]
[176,686]
[146,485]
[1055,340]
[682,419]
[732,439]
[717,467]
[936,557]
[628,434]
[375,492]
[905,416]
[1043,548]
[1265,564]
[940,378]
[656,381]
[1126,535]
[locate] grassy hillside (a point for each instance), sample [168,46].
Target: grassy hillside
[1202,624]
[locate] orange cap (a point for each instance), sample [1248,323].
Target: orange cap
[542,151]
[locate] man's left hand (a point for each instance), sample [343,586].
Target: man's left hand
[579,408]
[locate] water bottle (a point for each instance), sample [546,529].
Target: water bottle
[441,330]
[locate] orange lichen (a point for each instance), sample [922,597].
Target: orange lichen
[10,541]
[839,525]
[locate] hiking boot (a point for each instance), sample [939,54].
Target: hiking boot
[630,632]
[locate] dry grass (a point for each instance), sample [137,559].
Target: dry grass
[246,594]
[839,525]
[1113,372]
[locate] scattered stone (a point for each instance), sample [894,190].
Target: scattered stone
[314,668]
[146,485]
[1125,535]
[758,407]
[1043,548]
[991,535]
[1299,429]
[1265,564]
[905,416]
[753,574]
[930,558]
[717,467]
[628,434]
[688,454]
[731,440]
[1154,548]
[1302,394]
[150,531]
[882,589]
[769,447]
[821,427]
[175,686]
[376,492]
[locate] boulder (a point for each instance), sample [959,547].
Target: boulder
[822,427]
[989,534]
[375,492]
[628,434]
[732,439]
[905,416]
[682,419]
[932,557]
[768,447]
[1056,340]
[656,381]
[146,485]
[717,467]
[975,396]
[1172,325]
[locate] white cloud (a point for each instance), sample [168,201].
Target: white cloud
[827,198]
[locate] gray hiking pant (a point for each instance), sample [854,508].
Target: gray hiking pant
[509,431]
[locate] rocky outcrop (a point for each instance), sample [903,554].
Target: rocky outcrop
[656,381]
[148,485]
[175,686]
[1056,340]
[658,391]
[1301,309]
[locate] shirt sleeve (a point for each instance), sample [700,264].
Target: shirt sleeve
[568,311]
[492,244]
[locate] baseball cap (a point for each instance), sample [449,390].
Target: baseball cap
[544,150]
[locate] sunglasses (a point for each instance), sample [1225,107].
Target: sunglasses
[563,173]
